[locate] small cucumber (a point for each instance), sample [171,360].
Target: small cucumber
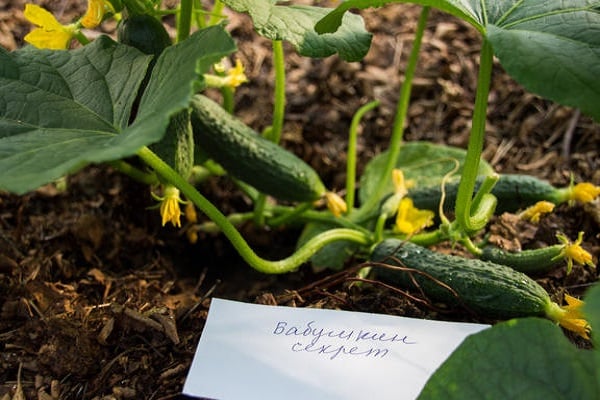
[251,158]
[176,148]
[513,192]
[145,33]
[531,262]
[494,290]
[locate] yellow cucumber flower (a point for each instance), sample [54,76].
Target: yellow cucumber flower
[534,212]
[584,192]
[49,34]
[95,13]
[410,219]
[169,206]
[573,252]
[234,76]
[336,204]
[570,316]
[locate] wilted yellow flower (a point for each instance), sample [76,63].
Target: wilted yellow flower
[573,252]
[95,13]
[410,220]
[570,316]
[50,33]
[336,204]
[584,192]
[191,215]
[534,212]
[169,205]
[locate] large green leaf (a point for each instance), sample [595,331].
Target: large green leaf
[60,110]
[295,24]
[425,163]
[525,359]
[552,48]
[592,313]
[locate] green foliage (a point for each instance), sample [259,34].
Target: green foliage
[552,48]
[521,359]
[425,163]
[295,24]
[62,110]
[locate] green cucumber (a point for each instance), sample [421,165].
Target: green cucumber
[249,157]
[145,33]
[493,290]
[531,262]
[514,192]
[176,148]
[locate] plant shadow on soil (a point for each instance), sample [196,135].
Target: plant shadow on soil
[97,299]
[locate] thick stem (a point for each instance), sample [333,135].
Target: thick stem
[274,132]
[400,118]
[467,220]
[279,92]
[288,264]
[184,19]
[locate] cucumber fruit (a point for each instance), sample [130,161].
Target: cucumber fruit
[145,33]
[513,192]
[531,262]
[493,290]
[249,157]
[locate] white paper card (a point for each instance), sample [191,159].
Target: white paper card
[251,351]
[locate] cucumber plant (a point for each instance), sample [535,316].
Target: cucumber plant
[93,104]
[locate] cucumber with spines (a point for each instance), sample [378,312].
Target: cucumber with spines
[249,157]
[491,289]
[513,191]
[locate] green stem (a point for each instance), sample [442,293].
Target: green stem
[468,220]
[279,92]
[351,158]
[199,14]
[184,19]
[274,132]
[400,118]
[235,219]
[133,172]
[290,216]
[288,264]
[81,38]
[216,13]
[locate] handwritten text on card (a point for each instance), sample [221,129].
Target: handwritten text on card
[312,338]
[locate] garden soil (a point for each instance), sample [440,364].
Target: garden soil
[98,301]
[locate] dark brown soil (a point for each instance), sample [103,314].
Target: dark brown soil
[97,300]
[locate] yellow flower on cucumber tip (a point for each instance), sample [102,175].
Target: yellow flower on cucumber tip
[570,316]
[584,192]
[49,34]
[573,252]
[95,13]
[233,78]
[169,206]
[236,75]
[535,212]
[410,220]
[336,204]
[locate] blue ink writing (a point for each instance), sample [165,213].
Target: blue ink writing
[320,340]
